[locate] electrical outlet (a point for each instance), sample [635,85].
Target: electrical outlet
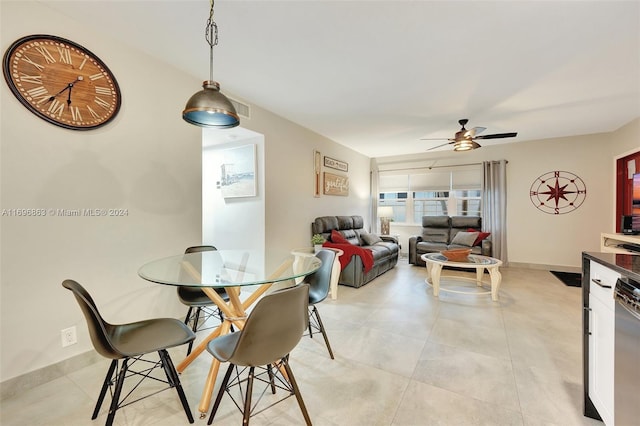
[69,336]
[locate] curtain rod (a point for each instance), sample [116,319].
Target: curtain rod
[431,167]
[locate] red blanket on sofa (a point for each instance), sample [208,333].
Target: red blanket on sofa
[351,250]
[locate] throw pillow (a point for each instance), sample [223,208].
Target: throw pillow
[463,238]
[336,237]
[370,239]
[481,236]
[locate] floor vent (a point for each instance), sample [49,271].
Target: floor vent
[243,110]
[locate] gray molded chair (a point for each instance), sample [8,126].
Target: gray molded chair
[129,343]
[319,283]
[274,327]
[194,297]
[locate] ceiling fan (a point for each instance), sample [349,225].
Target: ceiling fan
[465,140]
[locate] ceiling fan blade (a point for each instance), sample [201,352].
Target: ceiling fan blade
[475,131]
[444,144]
[436,139]
[498,136]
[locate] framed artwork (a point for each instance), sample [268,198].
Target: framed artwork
[336,184]
[336,164]
[316,173]
[238,172]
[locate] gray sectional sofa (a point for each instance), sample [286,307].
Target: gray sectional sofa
[439,232]
[385,252]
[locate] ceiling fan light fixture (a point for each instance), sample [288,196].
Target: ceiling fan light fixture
[465,145]
[209,107]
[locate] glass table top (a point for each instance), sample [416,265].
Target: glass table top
[224,268]
[472,259]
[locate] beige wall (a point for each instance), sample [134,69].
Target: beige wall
[147,161]
[537,239]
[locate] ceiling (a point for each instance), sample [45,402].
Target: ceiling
[377,76]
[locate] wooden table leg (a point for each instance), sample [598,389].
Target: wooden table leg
[210,383]
[496,280]
[479,275]
[436,270]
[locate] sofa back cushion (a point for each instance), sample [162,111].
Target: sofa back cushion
[463,224]
[435,229]
[350,227]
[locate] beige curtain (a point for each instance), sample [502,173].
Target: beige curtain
[494,206]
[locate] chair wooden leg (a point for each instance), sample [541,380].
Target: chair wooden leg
[116,392]
[322,330]
[296,390]
[247,401]
[221,392]
[105,386]
[174,380]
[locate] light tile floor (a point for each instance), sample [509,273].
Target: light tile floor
[403,357]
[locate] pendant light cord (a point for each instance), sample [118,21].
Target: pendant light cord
[211,35]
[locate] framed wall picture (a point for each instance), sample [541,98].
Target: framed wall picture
[336,164]
[316,173]
[336,184]
[238,176]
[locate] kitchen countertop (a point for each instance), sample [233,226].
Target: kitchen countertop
[626,264]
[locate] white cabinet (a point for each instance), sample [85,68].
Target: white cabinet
[601,339]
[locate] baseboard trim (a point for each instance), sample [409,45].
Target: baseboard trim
[27,381]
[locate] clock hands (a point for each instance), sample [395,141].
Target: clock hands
[68,87]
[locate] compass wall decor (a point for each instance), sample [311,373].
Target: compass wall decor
[558,192]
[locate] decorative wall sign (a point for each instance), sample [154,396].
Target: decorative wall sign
[316,173]
[336,184]
[238,172]
[336,164]
[558,192]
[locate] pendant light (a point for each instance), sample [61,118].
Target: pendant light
[209,107]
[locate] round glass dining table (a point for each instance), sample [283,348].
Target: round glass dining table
[230,269]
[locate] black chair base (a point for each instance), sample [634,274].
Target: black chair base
[201,316]
[120,371]
[315,323]
[246,377]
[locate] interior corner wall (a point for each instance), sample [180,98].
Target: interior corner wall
[232,223]
[146,163]
[290,205]
[534,238]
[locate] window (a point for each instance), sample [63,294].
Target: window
[447,191]
[398,201]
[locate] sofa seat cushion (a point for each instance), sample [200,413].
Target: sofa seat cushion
[350,250]
[379,252]
[429,247]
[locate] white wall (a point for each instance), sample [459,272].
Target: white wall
[537,239]
[148,161]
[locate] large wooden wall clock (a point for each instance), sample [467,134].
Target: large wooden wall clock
[61,82]
[558,192]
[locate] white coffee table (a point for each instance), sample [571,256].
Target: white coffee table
[436,261]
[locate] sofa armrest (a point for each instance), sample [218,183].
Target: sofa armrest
[388,238]
[487,248]
[413,249]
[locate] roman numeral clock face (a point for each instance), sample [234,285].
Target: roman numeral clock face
[61,82]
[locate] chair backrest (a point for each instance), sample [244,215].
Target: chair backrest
[320,280]
[274,327]
[99,329]
[188,293]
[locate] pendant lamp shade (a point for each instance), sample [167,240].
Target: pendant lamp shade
[210,108]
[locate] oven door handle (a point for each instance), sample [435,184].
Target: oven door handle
[599,282]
